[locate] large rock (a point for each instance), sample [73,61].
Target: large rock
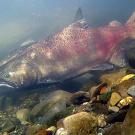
[113,78]
[82,123]
[54,106]
[23,115]
[129,122]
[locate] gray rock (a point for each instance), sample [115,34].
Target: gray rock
[80,97]
[131,91]
[23,115]
[53,107]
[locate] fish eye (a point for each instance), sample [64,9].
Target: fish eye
[6,75]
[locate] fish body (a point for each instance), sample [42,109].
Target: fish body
[74,50]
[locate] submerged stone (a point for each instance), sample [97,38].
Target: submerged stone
[55,106]
[131,91]
[82,123]
[115,98]
[23,115]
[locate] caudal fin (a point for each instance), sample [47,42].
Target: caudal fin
[131,25]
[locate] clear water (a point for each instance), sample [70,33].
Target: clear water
[22,20]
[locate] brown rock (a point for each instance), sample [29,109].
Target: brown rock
[80,97]
[82,123]
[128,127]
[95,90]
[113,78]
[123,87]
[115,98]
[114,129]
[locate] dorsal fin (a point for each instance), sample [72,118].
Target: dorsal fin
[131,20]
[78,15]
[80,24]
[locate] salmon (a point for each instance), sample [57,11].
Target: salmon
[75,50]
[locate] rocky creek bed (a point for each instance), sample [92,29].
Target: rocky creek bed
[106,107]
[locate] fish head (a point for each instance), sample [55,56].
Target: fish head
[17,74]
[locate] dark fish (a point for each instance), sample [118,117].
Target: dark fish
[75,50]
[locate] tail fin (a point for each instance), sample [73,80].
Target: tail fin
[131,25]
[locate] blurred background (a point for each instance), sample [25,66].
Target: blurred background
[23,20]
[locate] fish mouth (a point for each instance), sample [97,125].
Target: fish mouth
[6,84]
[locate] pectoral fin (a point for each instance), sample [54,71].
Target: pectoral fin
[118,59]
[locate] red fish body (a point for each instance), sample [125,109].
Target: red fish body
[73,51]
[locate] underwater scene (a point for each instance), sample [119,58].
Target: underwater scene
[67,67]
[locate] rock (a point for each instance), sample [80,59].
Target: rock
[100,131]
[95,90]
[115,129]
[52,129]
[55,106]
[61,131]
[82,123]
[113,109]
[115,98]
[125,102]
[123,87]
[43,131]
[100,108]
[85,107]
[116,117]
[131,91]
[23,115]
[31,130]
[128,127]
[113,78]
[80,97]
[5,133]
[127,77]
[101,120]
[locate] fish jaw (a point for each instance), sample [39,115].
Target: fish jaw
[7,84]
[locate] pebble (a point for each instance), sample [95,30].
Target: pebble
[113,109]
[125,102]
[115,98]
[131,91]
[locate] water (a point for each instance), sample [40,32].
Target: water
[22,20]
[32,20]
